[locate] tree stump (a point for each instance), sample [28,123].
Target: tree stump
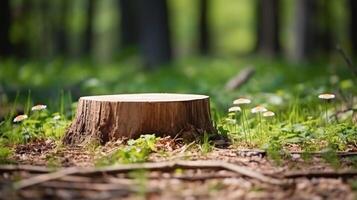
[110,117]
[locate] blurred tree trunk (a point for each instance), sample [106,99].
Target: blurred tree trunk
[154,33]
[268,27]
[61,33]
[5,23]
[204,37]
[353,25]
[304,26]
[89,31]
[47,35]
[21,46]
[313,29]
[325,32]
[128,24]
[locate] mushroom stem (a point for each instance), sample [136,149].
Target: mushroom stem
[326,112]
[244,126]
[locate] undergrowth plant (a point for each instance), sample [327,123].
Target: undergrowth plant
[206,144]
[135,151]
[299,125]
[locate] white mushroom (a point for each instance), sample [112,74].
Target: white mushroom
[259,109]
[20,118]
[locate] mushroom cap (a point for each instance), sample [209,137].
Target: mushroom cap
[234,109]
[326,96]
[259,109]
[268,114]
[242,101]
[38,107]
[20,118]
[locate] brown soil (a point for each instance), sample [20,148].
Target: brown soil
[177,184]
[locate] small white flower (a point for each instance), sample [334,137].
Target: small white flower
[234,109]
[327,96]
[57,117]
[20,118]
[259,109]
[268,114]
[38,107]
[241,101]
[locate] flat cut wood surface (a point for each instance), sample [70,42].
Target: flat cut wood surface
[146,97]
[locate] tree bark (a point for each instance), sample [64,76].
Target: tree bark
[5,22]
[353,25]
[268,27]
[204,36]
[110,117]
[154,32]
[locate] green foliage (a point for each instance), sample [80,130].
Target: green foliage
[135,151]
[5,154]
[206,145]
[39,124]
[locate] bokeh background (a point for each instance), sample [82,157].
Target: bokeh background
[58,50]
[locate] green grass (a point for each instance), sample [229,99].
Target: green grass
[289,90]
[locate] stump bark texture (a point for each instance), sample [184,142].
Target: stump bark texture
[110,117]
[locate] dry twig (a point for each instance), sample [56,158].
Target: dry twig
[161,166]
[240,79]
[319,174]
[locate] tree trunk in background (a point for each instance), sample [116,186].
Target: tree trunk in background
[353,25]
[46,42]
[154,33]
[324,36]
[5,22]
[61,35]
[305,22]
[128,24]
[204,37]
[89,32]
[268,27]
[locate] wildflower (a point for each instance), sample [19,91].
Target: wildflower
[241,101]
[268,114]
[259,109]
[38,107]
[57,117]
[234,109]
[327,96]
[20,118]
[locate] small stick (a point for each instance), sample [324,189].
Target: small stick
[170,165]
[240,79]
[314,153]
[87,186]
[45,177]
[29,168]
[319,174]
[202,164]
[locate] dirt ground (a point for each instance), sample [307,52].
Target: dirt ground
[172,184]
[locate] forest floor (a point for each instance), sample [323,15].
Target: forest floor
[312,178]
[310,145]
